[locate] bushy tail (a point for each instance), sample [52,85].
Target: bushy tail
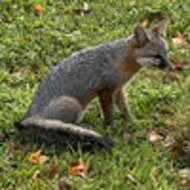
[55,130]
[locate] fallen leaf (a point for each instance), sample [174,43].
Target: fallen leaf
[179,39]
[34,156]
[79,168]
[186,181]
[36,176]
[17,146]
[38,9]
[174,157]
[153,136]
[144,23]
[54,170]
[176,149]
[171,77]
[43,159]
[184,62]
[37,157]
[177,64]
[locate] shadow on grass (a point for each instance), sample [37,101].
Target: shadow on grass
[57,145]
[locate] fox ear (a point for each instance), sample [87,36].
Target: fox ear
[160,28]
[141,35]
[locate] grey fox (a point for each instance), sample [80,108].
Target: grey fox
[100,71]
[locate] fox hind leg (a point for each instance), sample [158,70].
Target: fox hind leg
[66,109]
[57,124]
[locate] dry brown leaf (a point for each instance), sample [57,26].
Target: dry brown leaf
[171,77]
[38,9]
[174,157]
[184,62]
[9,152]
[37,157]
[144,23]
[176,149]
[186,181]
[54,170]
[34,156]
[177,64]
[153,136]
[179,39]
[165,111]
[17,147]
[36,175]
[79,168]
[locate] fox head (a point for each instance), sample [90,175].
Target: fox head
[151,48]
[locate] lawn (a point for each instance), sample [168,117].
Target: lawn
[158,150]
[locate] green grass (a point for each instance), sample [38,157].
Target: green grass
[31,43]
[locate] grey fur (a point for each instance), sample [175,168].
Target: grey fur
[61,96]
[75,76]
[67,78]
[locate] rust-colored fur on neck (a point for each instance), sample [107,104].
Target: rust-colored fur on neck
[129,66]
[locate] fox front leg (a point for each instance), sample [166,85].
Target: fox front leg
[106,103]
[121,103]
